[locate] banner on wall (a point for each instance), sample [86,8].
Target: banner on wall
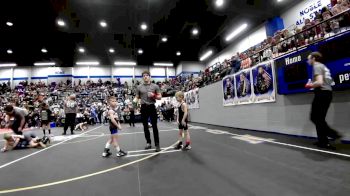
[244,87]
[306,9]
[254,85]
[293,71]
[228,87]
[263,83]
[171,100]
[192,99]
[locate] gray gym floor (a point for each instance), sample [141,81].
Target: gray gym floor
[223,161]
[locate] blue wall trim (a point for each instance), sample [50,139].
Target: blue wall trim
[67,75]
[152,76]
[59,76]
[38,78]
[122,76]
[22,78]
[100,76]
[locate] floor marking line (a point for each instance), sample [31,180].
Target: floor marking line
[134,151]
[90,135]
[311,149]
[145,154]
[291,145]
[84,140]
[297,146]
[84,176]
[166,130]
[47,148]
[94,137]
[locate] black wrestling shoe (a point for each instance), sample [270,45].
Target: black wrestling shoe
[158,148]
[106,153]
[121,153]
[148,146]
[325,146]
[178,146]
[187,147]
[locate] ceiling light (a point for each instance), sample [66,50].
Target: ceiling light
[164,64]
[61,23]
[236,32]
[44,50]
[8,65]
[178,53]
[81,50]
[10,24]
[44,63]
[206,55]
[164,39]
[219,3]
[195,31]
[144,26]
[87,63]
[111,50]
[103,23]
[9,51]
[140,51]
[125,63]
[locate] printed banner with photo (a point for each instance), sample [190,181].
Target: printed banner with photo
[228,87]
[164,100]
[244,87]
[192,99]
[254,85]
[263,83]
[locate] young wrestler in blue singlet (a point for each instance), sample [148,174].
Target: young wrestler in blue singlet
[114,127]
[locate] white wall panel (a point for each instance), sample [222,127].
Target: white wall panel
[100,71]
[80,71]
[21,72]
[157,71]
[250,40]
[171,71]
[5,73]
[306,9]
[140,69]
[123,71]
[179,69]
[192,67]
[40,71]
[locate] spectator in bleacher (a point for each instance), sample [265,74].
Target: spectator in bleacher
[329,26]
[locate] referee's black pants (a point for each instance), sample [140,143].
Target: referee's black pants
[149,111]
[69,122]
[320,105]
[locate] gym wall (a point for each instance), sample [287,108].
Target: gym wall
[288,115]
[189,67]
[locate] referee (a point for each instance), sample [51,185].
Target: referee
[70,109]
[149,93]
[322,84]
